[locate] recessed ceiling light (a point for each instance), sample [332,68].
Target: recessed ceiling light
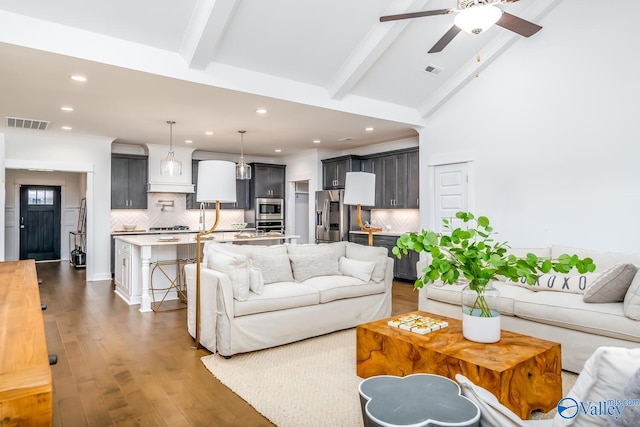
[316,141]
[261,111]
[277,150]
[66,128]
[369,129]
[65,108]
[188,141]
[78,78]
[208,133]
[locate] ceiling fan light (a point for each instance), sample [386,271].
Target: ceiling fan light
[477,19]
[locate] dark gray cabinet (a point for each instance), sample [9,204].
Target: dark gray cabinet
[334,171]
[242,193]
[394,181]
[404,268]
[129,176]
[397,179]
[268,180]
[413,180]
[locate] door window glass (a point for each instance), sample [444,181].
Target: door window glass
[40,197]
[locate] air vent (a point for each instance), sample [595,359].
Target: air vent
[433,69]
[345,139]
[15,122]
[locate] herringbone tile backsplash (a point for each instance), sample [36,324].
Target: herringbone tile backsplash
[396,220]
[154,216]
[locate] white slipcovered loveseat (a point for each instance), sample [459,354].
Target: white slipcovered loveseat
[581,312]
[256,297]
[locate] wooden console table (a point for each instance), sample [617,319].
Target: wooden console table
[523,372]
[25,374]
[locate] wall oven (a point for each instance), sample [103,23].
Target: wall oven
[270,226]
[269,209]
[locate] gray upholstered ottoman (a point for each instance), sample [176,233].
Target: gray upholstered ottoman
[415,400]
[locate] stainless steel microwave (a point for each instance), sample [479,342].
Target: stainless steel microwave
[269,209]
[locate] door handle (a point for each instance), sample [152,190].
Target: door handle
[22,222]
[325,215]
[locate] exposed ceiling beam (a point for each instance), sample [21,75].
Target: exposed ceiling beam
[487,54]
[208,24]
[370,49]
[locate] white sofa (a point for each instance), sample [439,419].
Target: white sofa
[256,297]
[556,310]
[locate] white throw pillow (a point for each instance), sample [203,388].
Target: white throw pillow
[256,281]
[337,248]
[236,267]
[611,285]
[376,254]
[632,299]
[274,268]
[307,266]
[359,269]
[603,379]
[570,283]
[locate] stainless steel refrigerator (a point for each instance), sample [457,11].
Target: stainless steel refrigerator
[332,216]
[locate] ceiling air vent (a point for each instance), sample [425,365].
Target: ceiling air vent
[433,69]
[15,122]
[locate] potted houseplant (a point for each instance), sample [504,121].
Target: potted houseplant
[470,253]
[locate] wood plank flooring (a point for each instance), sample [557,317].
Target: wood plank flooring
[117,366]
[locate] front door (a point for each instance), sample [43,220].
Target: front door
[39,222]
[451,193]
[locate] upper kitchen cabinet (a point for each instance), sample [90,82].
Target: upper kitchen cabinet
[128,182]
[413,179]
[242,193]
[397,179]
[268,180]
[334,171]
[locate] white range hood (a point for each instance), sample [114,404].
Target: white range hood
[169,184]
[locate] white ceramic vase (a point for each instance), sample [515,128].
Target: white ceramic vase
[481,314]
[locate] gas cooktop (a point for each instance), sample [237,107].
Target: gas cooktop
[170,228]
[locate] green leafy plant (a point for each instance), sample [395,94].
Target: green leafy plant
[470,252]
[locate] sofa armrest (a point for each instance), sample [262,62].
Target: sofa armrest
[209,288]
[388,275]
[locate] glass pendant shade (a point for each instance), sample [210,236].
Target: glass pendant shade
[243,170]
[477,19]
[170,165]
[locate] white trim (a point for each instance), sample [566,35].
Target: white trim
[449,158]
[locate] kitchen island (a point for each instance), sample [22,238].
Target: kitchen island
[138,257]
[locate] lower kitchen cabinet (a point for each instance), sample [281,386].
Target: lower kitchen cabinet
[122,274]
[404,268]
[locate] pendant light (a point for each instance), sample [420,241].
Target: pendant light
[170,165]
[243,170]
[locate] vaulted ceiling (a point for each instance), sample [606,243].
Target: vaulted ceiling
[323,70]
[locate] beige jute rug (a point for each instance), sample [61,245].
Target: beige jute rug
[308,383]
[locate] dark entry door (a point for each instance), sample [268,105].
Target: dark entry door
[39,222]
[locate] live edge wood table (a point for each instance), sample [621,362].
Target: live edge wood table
[523,372]
[25,374]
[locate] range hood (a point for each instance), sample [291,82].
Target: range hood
[169,184]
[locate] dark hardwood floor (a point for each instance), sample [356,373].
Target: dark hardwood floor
[117,366]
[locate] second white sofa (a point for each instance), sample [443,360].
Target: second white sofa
[256,297]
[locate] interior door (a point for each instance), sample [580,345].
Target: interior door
[451,192]
[39,222]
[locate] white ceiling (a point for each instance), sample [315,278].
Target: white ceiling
[324,70]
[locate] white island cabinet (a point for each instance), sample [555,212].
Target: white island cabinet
[136,256]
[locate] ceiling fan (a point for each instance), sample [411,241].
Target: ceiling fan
[474,17]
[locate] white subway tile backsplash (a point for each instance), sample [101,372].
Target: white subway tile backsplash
[396,220]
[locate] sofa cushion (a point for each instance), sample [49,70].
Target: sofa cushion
[451,294]
[571,283]
[602,260]
[233,265]
[337,248]
[256,281]
[602,380]
[333,288]
[631,304]
[611,285]
[359,269]
[571,312]
[376,254]
[305,266]
[247,250]
[277,296]
[274,268]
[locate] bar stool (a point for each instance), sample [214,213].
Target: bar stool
[176,282]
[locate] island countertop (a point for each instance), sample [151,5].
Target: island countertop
[190,238]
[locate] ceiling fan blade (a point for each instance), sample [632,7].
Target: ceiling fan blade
[445,40]
[518,25]
[416,14]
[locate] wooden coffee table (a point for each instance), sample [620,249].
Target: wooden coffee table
[523,372]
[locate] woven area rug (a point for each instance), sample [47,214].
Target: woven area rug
[308,383]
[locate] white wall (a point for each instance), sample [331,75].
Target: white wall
[554,129]
[70,184]
[69,152]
